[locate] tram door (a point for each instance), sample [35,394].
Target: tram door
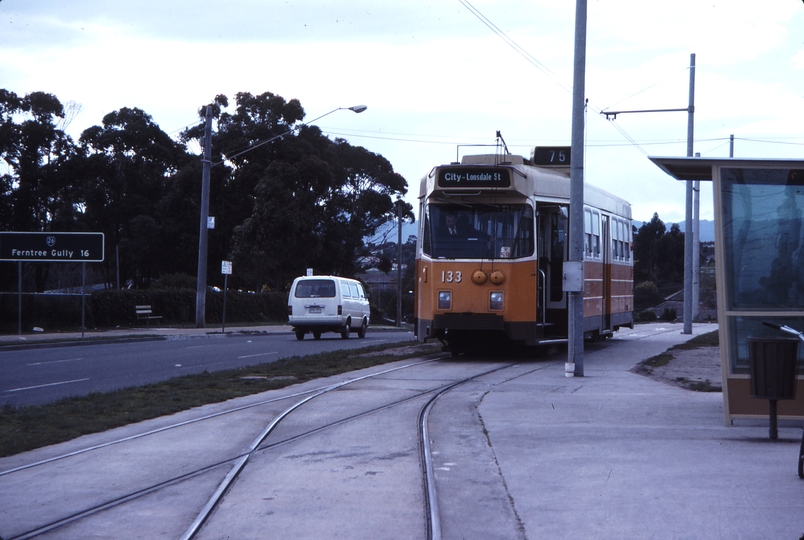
[552,254]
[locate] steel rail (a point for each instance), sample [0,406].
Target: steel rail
[240,464]
[239,460]
[432,515]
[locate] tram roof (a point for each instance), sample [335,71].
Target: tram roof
[548,182]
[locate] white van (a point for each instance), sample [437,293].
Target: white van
[328,304]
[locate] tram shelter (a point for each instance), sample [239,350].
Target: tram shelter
[759,251]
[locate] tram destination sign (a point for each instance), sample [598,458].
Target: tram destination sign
[552,156]
[51,246]
[473,177]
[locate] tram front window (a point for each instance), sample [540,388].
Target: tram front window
[478,231]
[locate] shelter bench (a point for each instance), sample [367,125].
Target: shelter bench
[145,312]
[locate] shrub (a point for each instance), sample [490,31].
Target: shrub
[646,294]
[645,316]
[669,314]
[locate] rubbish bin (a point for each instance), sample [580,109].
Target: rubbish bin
[773,372]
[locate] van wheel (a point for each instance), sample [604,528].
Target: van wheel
[345,331]
[300,334]
[361,332]
[316,334]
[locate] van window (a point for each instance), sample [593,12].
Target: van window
[361,291]
[315,288]
[353,288]
[345,290]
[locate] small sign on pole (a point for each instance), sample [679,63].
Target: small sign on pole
[226,270]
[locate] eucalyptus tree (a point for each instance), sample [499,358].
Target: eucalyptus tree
[37,192]
[288,197]
[127,165]
[659,253]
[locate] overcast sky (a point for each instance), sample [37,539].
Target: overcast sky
[434,76]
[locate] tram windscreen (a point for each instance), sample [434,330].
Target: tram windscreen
[479,231]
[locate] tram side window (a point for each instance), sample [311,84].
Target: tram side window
[591,229]
[627,239]
[621,240]
[587,232]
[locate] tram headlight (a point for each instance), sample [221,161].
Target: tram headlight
[496,300]
[444,299]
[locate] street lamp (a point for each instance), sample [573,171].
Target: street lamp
[201,281]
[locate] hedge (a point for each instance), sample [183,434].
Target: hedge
[112,308]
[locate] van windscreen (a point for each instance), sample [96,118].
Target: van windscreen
[315,288]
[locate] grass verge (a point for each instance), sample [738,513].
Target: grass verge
[27,428]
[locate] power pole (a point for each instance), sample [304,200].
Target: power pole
[201,281]
[688,228]
[574,365]
[399,262]
[689,232]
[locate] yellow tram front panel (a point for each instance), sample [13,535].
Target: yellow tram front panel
[471,284]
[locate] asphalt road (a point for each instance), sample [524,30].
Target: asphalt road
[45,373]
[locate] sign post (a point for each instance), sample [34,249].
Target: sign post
[22,247]
[226,269]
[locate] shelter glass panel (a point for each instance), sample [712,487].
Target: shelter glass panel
[763,238]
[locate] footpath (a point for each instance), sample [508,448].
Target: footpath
[138,332]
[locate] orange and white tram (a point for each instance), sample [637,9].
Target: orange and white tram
[492,243]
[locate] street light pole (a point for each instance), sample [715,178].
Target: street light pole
[201,280]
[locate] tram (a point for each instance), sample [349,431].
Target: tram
[491,252]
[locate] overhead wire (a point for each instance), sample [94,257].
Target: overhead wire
[544,69]
[514,45]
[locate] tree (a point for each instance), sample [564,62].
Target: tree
[126,164]
[37,191]
[659,254]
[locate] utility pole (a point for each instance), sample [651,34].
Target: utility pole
[201,281]
[574,364]
[399,262]
[696,246]
[689,233]
[689,229]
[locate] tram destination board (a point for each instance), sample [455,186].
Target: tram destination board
[473,177]
[51,246]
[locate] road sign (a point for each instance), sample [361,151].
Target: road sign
[226,267]
[51,246]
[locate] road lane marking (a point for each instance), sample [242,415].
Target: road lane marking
[54,362]
[46,385]
[261,354]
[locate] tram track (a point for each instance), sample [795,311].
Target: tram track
[260,444]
